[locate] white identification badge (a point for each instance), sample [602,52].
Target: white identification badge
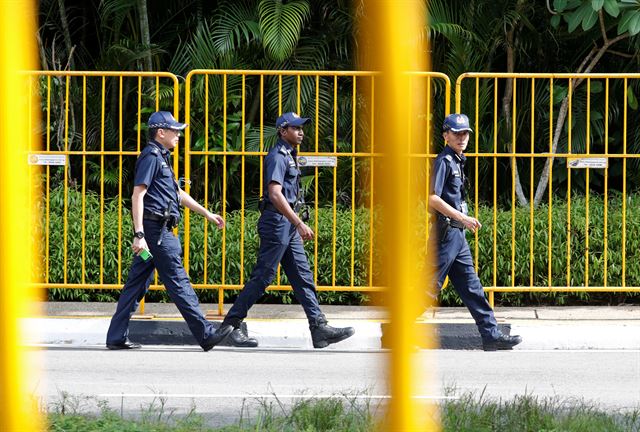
[464,208]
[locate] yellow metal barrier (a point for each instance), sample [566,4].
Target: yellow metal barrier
[65,99]
[217,107]
[556,109]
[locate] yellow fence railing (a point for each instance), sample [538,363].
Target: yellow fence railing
[227,109]
[93,127]
[538,138]
[85,143]
[554,132]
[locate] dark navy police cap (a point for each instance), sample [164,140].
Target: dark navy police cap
[291,119]
[164,120]
[456,123]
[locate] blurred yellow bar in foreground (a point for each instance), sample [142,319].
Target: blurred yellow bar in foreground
[18,410]
[394,42]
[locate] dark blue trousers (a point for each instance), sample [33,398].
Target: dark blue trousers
[280,243]
[167,260]
[454,260]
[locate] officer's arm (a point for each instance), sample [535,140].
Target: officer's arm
[191,204]
[282,205]
[438,204]
[137,206]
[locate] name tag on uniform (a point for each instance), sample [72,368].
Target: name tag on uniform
[292,163]
[456,173]
[164,165]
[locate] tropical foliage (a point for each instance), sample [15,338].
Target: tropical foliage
[553,36]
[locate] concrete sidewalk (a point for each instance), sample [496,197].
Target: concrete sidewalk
[285,326]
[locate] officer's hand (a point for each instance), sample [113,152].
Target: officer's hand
[139,245]
[472,224]
[216,219]
[305,232]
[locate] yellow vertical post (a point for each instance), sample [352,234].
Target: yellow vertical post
[17,54]
[606,185]
[206,179]
[495,190]
[394,44]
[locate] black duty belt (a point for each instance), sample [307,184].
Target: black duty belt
[171,220]
[451,222]
[268,206]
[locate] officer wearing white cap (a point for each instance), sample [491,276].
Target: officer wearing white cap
[282,231]
[447,201]
[155,210]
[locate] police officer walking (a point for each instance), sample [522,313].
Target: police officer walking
[281,233]
[155,211]
[447,200]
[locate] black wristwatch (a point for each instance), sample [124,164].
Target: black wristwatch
[139,234]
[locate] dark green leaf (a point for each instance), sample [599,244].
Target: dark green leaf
[589,20]
[559,5]
[596,5]
[575,18]
[631,98]
[625,21]
[634,24]
[611,7]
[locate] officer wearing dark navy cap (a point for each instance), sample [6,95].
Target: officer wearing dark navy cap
[281,232]
[447,201]
[155,211]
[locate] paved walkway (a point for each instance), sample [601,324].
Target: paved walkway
[285,326]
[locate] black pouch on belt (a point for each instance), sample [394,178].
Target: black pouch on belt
[443,228]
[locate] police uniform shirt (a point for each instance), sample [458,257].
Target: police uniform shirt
[280,167]
[153,169]
[447,179]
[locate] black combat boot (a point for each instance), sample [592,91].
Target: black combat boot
[503,342]
[216,337]
[323,334]
[239,338]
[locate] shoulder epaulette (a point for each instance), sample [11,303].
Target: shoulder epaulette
[149,150]
[448,157]
[283,150]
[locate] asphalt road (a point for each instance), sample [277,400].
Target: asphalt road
[224,383]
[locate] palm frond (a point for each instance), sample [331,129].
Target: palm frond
[281,25]
[236,26]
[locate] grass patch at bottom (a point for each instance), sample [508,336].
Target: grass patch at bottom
[469,412]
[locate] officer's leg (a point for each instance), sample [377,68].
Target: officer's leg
[296,267]
[168,261]
[447,250]
[269,255]
[138,281]
[444,252]
[466,282]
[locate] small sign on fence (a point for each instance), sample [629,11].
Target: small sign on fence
[595,162]
[316,161]
[47,159]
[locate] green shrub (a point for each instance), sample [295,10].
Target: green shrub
[560,237]
[112,274]
[233,265]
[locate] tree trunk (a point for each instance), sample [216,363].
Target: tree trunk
[506,109]
[65,32]
[144,33]
[587,66]
[44,64]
